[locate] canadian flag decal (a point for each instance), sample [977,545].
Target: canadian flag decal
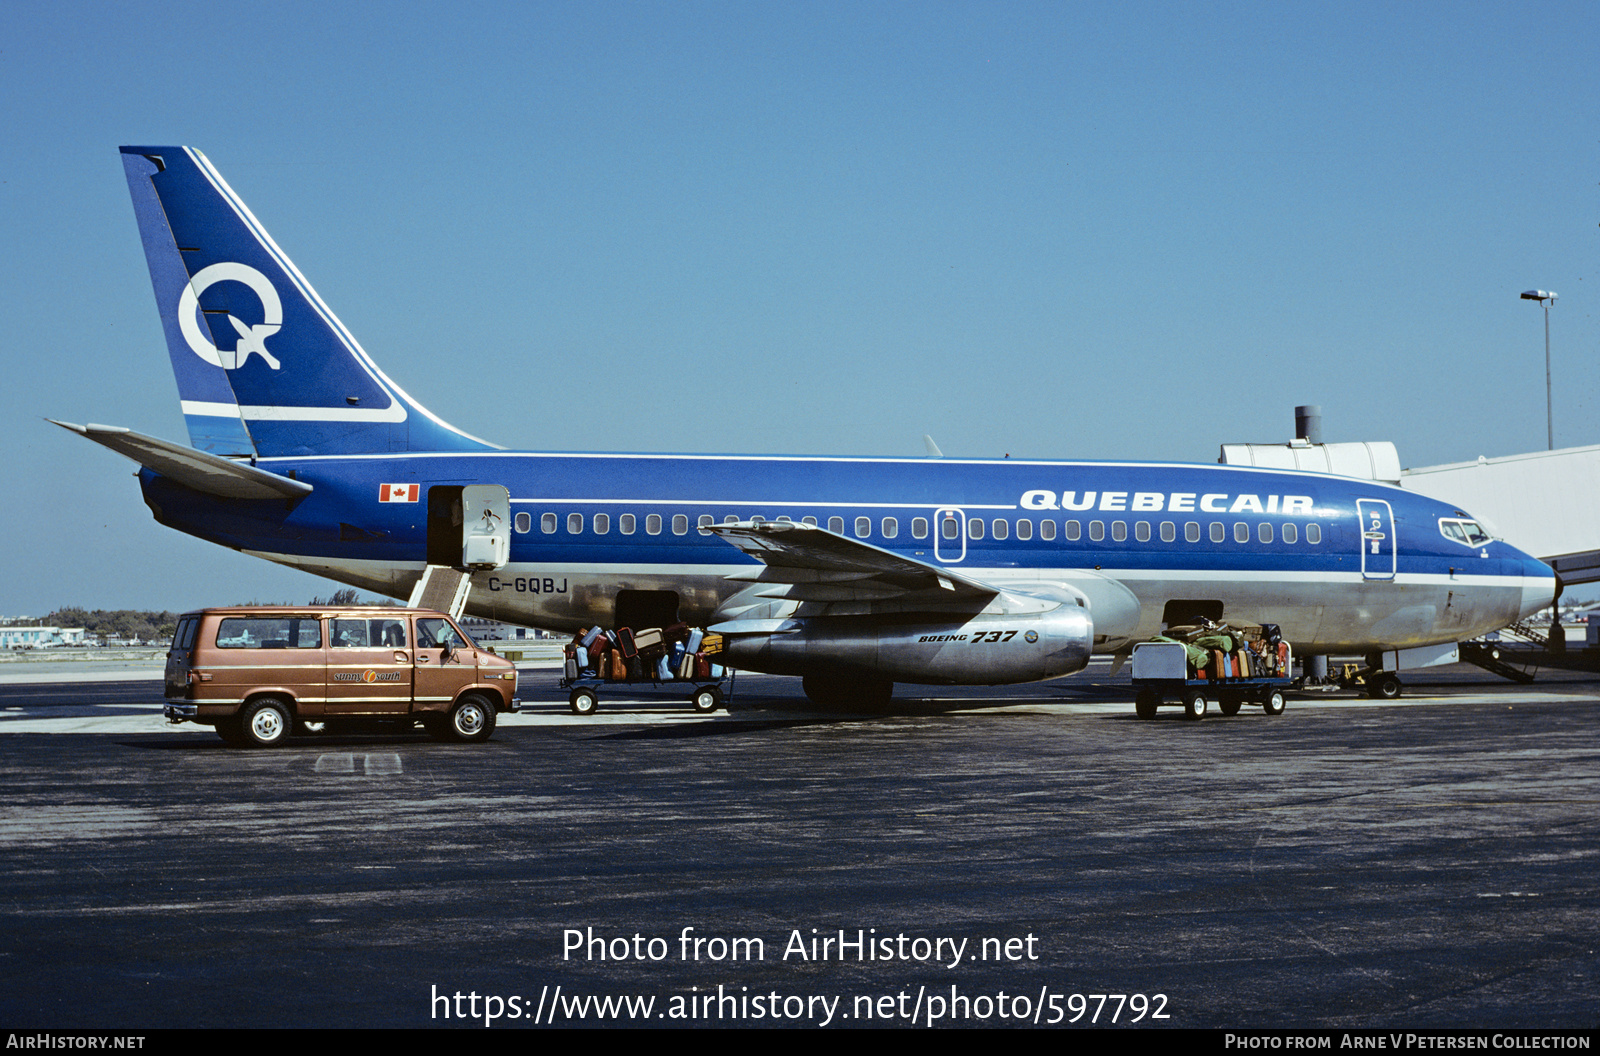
[397,493]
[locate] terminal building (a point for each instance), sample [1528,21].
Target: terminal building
[40,637]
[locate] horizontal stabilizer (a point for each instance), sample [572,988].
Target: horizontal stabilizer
[193,469]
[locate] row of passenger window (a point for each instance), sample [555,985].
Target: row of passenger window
[950,528]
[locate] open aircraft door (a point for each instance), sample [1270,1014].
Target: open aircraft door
[486,526]
[1377,538]
[949,535]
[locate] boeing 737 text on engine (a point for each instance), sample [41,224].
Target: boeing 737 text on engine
[852,572]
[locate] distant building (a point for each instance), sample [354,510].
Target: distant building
[40,637]
[497,631]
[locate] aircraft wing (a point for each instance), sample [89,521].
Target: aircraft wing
[807,563]
[203,472]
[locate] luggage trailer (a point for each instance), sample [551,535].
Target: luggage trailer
[705,695]
[1161,676]
[619,660]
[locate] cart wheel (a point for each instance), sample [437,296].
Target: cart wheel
[1194,705]
[1384,686]
[1229,706]
[707,699]
[583,701]
[1147,702]
[1272,704]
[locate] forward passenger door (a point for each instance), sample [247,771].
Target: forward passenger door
[1377,539]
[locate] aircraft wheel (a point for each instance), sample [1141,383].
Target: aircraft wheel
[472,719]
[1384,686]
[1229,706]
[1272,704]
[1194,705]
[266,722]
[1146,703]
[707,699]
[583,701]
[874,692]
[821,690]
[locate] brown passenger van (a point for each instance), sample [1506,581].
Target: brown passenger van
[259,673]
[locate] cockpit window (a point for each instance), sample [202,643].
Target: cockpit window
[1465,532]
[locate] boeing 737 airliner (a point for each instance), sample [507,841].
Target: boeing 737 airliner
[854,573]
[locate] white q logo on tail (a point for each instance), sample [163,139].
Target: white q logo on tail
[251,338]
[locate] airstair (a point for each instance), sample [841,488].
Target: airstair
[1514,655]
[442,589]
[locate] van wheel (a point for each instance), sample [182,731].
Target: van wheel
[472,719]
[266,722]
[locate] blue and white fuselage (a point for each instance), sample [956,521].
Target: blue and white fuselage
[1271,546]
[305,453]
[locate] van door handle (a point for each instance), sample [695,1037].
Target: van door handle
[401,658]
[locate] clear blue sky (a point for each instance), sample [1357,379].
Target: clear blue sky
[1055,230]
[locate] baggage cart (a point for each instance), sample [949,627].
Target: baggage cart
[706,695]
[1162,676]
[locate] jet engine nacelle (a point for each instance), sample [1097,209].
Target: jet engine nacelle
[987,649]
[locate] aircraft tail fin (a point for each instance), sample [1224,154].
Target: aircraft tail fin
[263,366]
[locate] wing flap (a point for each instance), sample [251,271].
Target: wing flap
[823,565]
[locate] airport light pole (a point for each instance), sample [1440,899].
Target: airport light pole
[1546,299]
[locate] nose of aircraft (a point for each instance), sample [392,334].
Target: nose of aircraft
[1538,585]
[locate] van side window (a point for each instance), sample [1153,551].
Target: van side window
[274,632]
[383,633]
[435,633]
